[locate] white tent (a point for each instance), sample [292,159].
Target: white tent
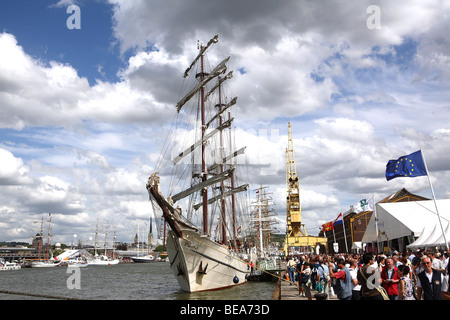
[431,239]
[413,218]
[440,241]
[421,239]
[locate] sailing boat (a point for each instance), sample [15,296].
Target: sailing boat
[102,260]
[142,258]
[47,263]
[210,256]
[263,219]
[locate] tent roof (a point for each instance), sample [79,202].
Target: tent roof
[399,219]
[440,240]
[429,238]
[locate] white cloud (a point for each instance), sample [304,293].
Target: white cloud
[12,169]
[356,98]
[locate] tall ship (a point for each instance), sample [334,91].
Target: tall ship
[263,219]
[206,204]
[103,259]
[45,262]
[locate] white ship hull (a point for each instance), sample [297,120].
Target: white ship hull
[9,266]
[44,264]
[200,264]
[102,262]
[143,259]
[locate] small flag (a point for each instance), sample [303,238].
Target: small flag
[364,205]
[411,165]
[328,226]
[339,220]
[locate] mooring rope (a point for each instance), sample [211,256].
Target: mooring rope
[38,295]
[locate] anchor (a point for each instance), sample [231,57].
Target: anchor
[200,269]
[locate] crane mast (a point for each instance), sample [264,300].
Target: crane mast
[296,235]
[295,227]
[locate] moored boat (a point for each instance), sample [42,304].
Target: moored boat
[143,259]
[102,261]
[209,256]
[5,265]
[45,264]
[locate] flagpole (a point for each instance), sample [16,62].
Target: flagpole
[345,236]
[376,223]
[334,235]
[434,198]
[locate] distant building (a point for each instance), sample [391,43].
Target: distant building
[356,223]
[37,241]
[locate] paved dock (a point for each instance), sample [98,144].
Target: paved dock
[287,292]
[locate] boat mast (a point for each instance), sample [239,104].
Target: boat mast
[96,238]
[106,239]
[41,236]
[261,190]
[48,234]
[222,184]
[204,173]
[233,203]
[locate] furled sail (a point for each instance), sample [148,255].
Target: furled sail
[231,103]
[228,76]
[224,125]
[213,40]
[204,184]
[223,195]
[220,69]
[227,158]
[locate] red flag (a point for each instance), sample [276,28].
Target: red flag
[328,226]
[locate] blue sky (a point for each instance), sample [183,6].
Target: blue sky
[40,27]
[84,113]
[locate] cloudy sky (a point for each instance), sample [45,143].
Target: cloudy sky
[84,111]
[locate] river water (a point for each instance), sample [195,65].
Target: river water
[128,281]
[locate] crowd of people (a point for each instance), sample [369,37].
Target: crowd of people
[410,275]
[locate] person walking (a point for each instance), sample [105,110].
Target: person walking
[369,289]
[300,265]
[323,274]
[390,279]
[405,285]
[291,270]
[343,287]
[356,287]
[429,282]
[305,283]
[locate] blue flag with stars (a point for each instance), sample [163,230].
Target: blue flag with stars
[407,166]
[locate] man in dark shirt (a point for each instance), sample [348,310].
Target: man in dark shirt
[429,281]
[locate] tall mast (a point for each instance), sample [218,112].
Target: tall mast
[42,235]
[261,190]
[48,233]
[204,173]
[96,238]
[222,184]
[233,203]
